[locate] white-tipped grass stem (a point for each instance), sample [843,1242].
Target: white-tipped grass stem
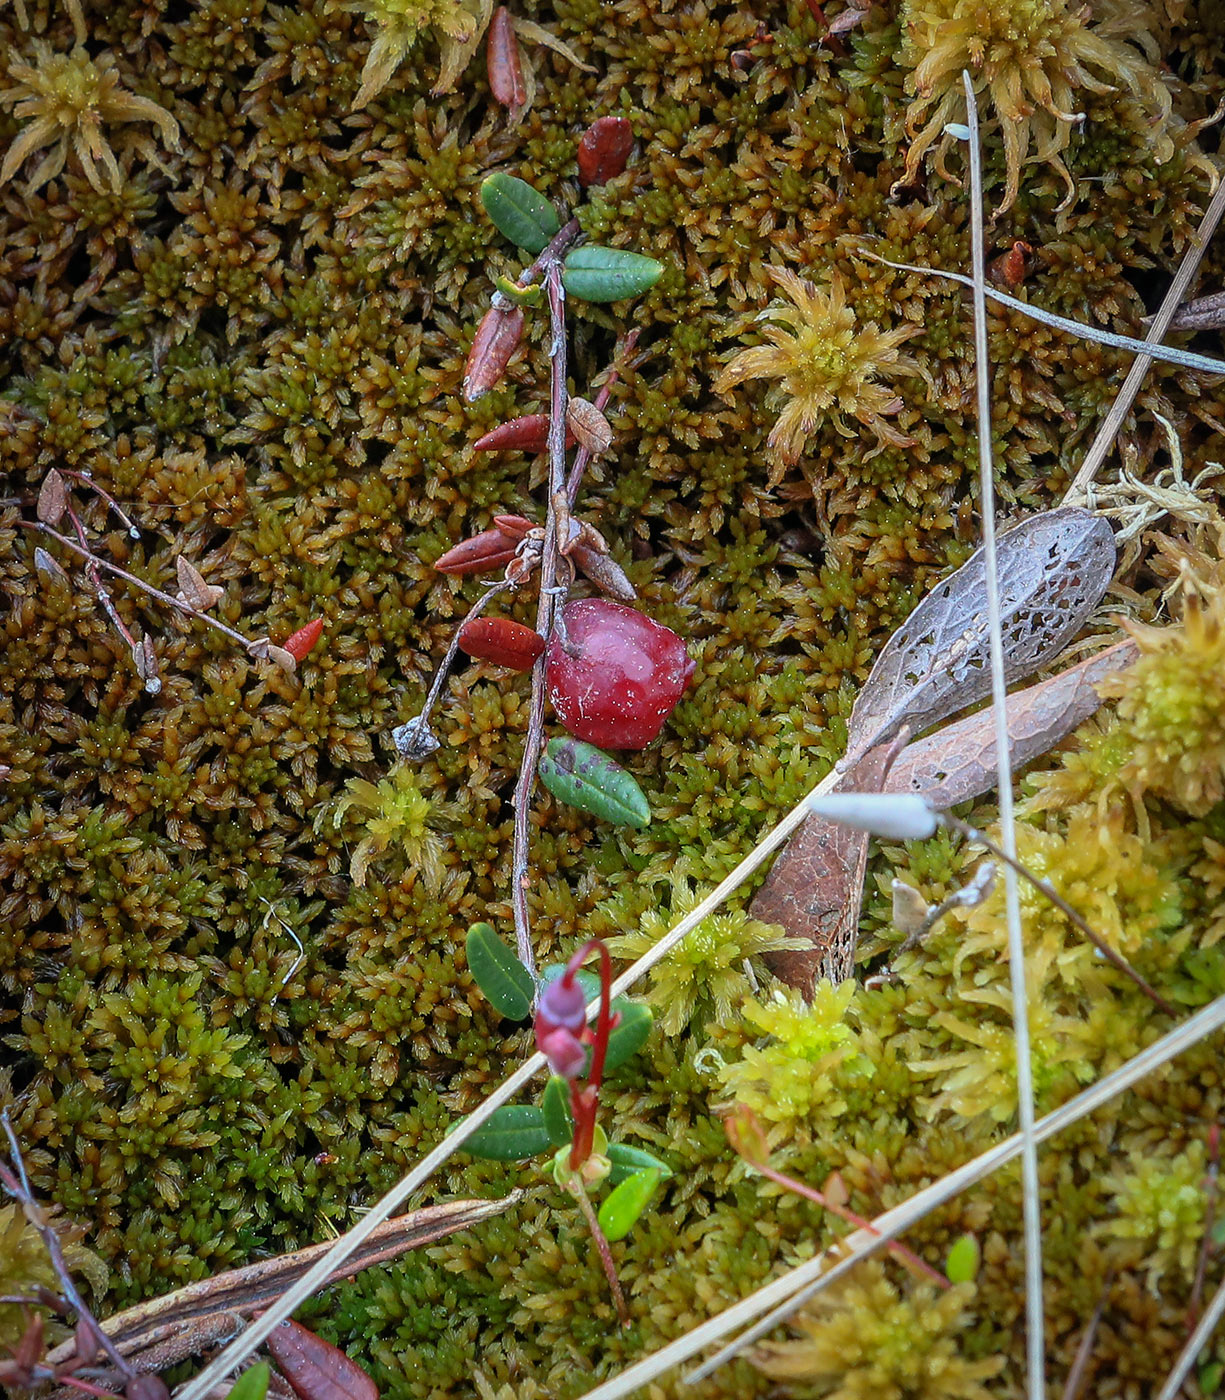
[793,1289]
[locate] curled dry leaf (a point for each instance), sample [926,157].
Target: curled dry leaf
[496,340]
[1053,569]
[589,426]
[52,498]
[1202,314]
[604,571]
[527,434]
[193,590]
[46,564]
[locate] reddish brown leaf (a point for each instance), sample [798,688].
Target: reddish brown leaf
[516,526]
[604,150]
[193,589]
[527,434]
[604,571]
[316,1369]
[815,887]
[481,554]
[501,641]
[496,340]
[502,56]
[1008,270]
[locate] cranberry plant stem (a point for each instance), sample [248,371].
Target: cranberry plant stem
[602,1246]
[170,602]
[547,608]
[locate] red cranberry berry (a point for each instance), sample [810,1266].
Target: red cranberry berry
[613,675]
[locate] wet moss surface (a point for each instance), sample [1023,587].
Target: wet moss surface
[248,320]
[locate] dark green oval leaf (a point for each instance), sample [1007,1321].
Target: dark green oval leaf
[587,778]
[252,1384]
[627,1160]
[621,1208]
[556,1109]
[523,214]
[511,1133]
[608,274]
[499,974]
[631,1035]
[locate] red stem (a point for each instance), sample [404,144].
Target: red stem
[585,1101]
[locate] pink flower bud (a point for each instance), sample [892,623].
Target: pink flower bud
[562,1003]
[565,1054]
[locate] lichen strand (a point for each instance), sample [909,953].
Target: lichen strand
[257,343]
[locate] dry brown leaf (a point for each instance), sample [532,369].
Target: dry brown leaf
[52,498]
[193,590]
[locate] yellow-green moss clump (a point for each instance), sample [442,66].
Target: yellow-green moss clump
[254,336]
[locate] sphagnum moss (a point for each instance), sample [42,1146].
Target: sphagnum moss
[257,345]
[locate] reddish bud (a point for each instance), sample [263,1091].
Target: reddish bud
[501,641]
[316,1369]
[566,1054]
[1008,270]
[502,55]
[302,642]
[604,150]
[527,434]
[480,554]
[496,340]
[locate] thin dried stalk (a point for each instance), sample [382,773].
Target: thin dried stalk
[1034,1319]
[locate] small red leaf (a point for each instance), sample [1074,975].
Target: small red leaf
[496,340]
[527,434]
[316,1369]
[604,150]
[502,56]
[516,526]
[501,641]
[301,643]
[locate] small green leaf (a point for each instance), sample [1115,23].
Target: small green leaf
[511,1133]
[521,296]
[523,214]
[555,1106]
[608,274]
[252,1384]
[962,1263]
[1210,1377]
[586,778]
[631,1035]
[626,1160]
[621,1208]
[507,984]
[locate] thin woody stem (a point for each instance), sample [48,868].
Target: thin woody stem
[84,479]
[444,665]
[582,458]
[171,602]
[17,1184]
[1045,887]
[602,1246]
[547,608]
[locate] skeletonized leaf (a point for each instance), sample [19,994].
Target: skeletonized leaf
[957,763]
[1053,569]
[193,590]
[46,564]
